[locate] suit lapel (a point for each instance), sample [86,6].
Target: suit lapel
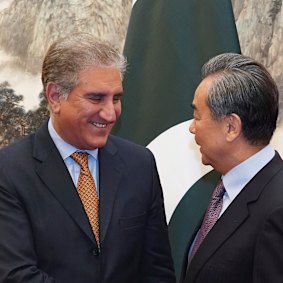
[110,172]
[51,168]
[229,222]
[233,217]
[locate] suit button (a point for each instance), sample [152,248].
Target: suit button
[95,251]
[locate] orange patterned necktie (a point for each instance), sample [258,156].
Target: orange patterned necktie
[87,192]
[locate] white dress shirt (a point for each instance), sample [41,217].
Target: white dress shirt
[238,177]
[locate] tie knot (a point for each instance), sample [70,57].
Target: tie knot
[219,190]
[81,158]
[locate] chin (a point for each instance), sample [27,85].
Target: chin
[100,142]
[205,161]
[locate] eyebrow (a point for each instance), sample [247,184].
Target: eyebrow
[103,94]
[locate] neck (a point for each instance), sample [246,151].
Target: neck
[239,154]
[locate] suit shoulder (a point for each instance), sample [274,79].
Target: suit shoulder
[129,150]
[17,148]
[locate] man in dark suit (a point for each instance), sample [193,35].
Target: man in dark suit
[47,231]
[240,239]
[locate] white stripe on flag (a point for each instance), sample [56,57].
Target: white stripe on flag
[178,162]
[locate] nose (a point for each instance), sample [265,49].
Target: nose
[192,127]
[109,112]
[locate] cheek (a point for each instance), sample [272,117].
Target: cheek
[85,111]
[118,110]
[198,138]
[198,129]
[202,136]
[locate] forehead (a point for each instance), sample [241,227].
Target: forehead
[201,93]
[100,77]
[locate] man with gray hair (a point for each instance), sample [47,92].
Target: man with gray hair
[240,238]
[78,205]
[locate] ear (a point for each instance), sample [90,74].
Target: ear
[53,97]
[233,127]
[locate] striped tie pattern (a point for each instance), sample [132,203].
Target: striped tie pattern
[87,192]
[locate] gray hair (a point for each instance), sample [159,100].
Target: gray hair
[244,87]
[68,56]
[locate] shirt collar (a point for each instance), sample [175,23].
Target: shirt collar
[238,177]
[66,149]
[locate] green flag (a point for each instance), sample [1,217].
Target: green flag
[166,44]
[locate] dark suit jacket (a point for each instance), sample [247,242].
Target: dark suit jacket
[246,243]
[45,235]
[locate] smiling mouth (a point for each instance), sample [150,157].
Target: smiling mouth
[99,125]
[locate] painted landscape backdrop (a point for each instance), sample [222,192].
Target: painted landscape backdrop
[27,27]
